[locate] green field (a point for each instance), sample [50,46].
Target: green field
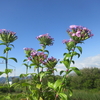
[86,95]
[77,95]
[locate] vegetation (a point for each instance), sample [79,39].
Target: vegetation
[44,85]
[85,87]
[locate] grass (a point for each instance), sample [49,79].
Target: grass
[77,95]
[14,96]
[85,95]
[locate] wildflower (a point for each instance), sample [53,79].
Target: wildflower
[50,62]
[45,39]
[7,36]
[28,52]
[38,57]
[67,41]
[73,26]
[79,33]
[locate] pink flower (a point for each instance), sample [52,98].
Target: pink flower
[73,34]
[78,33]
[73,26]
[65,41]
[45,39]
[91,35]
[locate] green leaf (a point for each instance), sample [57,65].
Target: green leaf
[76,70]
[23,75]
[32,64]
[70,92]
[3,43]
[61,72]
[7,97]
[67,55]
[8,71]
[79,48]
[50,85]
[25,84]
[57,84]
[14,84]
[25,64]
[3,57]
[24,60]
[75,53]
[13,59]
[1,73]
[40,98]
[55,69]
[41,75]
[61,61]
[7,49]
[73,61]
[66,62]
[38,86]
[12,45]
[46,51]
[63,96]
[39,50]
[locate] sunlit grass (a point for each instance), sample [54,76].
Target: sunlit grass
[85,95]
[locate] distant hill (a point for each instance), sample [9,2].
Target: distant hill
[3,79]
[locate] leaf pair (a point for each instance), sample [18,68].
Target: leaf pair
[4,58]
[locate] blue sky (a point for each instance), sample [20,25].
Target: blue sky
[30,18]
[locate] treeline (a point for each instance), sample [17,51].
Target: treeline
[89,79]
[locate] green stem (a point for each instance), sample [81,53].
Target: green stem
[43,48]
[7,77]
[38,70]
[26,70]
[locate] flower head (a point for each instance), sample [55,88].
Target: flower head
[73,26]
[7,36]
[50,62]
[38,57]
[45,39]
[28,51]
[67,41]
[79,33]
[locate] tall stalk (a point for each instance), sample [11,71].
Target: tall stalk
[7,76]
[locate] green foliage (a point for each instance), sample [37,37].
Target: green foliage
[4,58]
[44,85]
[7,49]
[8,71]
[89,79]
[13,59]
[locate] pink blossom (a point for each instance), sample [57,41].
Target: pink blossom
[78,33]
[73,26]
[91,35]
[65,41]
[73,34]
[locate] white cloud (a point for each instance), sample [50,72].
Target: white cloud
[93,61]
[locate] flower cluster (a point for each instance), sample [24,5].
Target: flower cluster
[45,39]
[7,36]
[79,33]
[28,52]
[38,57]
[35,56]
[67,41]
[50,62]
